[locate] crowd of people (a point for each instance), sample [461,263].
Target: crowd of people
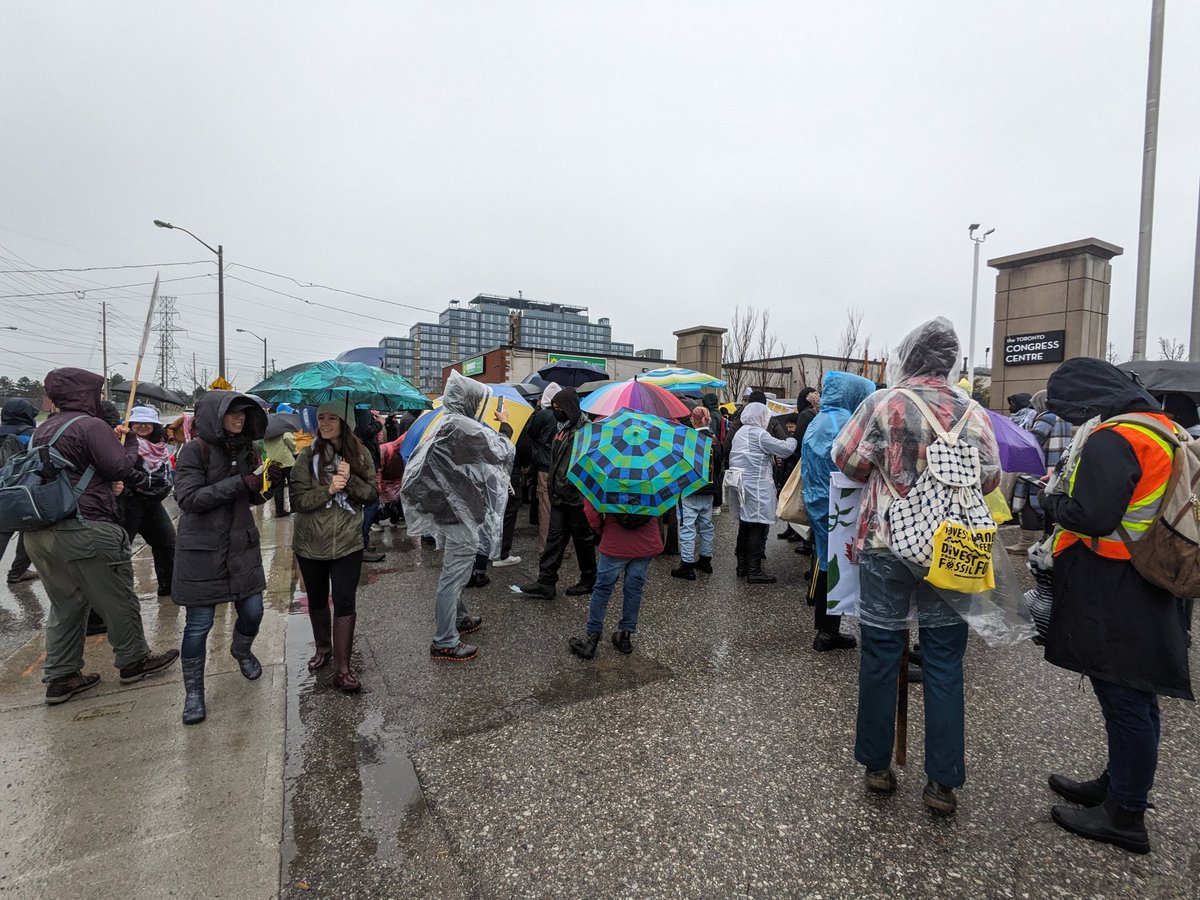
[1104,478]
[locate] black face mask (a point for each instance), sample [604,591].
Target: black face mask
[560,415]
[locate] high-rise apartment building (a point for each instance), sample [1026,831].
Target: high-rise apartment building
[489,321]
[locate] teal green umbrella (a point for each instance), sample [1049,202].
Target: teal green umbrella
[634,462]
[312,384]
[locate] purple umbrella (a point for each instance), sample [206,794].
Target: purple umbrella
[1019,450]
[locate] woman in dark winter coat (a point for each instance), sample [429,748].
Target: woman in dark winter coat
[333,480]
[217,556]
[1108,622]
[142,512]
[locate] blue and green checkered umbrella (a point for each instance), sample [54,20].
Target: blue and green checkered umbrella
[638,463]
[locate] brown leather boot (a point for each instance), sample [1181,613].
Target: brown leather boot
[343,643]
[322,637]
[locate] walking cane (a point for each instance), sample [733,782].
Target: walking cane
[137,369]
[902,707]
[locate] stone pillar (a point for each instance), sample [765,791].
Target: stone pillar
[1051,305]
[701,348]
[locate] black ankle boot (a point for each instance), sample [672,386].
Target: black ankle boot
[757,575]
[686,570]
[1085,793]
[239,649]
[1109,823]
[585,647]
[704,564]
[193,687]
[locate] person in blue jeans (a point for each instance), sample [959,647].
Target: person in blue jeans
[696,509]
[627,544]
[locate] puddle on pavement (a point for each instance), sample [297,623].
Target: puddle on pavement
[350,791]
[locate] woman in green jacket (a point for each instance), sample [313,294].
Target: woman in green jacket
[332,480]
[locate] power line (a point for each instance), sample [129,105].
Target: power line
[107,287]
[194,262]
[328,288]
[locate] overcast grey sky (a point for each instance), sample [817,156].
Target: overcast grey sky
[655,161]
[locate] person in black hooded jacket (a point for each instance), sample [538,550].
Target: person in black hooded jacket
[217,556]
[18,419]
[567,520]
[1107,621]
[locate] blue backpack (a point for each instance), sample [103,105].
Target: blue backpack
[35,491]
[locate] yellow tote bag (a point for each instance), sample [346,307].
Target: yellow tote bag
[962,559]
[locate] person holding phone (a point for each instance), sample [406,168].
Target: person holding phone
[333,483]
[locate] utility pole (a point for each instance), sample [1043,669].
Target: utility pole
[1141,300]
[104,343]
[1194,344]
[971,361]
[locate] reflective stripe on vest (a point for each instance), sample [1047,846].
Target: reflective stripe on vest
[1155,456]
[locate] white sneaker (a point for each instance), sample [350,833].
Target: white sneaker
[716,510]
[377,528]
[509,560]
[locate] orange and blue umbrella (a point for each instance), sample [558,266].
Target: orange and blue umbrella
[632,462]
[519,413]
[639,396]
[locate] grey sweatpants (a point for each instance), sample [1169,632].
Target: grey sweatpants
[86,565]
[457,562]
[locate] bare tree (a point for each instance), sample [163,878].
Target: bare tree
[848,344]
[750,348]
[1112,355]
[1169,348]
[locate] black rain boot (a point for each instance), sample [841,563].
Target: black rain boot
[321,620]
[1109,823]
[743,565]
[193,687]
[1085,793]
[584,648]
[247,661]
[686,570]
[704,564]
[757,575]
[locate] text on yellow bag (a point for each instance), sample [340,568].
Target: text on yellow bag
[962,559]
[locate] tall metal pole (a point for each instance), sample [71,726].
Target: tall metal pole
[974,312]
[1194,343]
[104,343]
[264,359]
[221,310]
[1141,301]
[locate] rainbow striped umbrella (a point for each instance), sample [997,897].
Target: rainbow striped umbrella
[682,381]
[637,395]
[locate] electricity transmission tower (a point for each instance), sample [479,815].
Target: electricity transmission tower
[168,372]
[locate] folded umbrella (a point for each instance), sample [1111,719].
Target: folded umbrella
[1019,450]
[636,395]
[637,463]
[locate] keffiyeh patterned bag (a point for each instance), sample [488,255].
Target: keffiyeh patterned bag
[944,524]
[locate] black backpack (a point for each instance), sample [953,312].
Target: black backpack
[35,491]
[633,521]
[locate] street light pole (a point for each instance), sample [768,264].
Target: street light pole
[978,241]
[1141,299]
[264,340]
[220,251]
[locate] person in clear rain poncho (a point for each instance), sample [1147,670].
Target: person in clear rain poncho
[455,489]
[885,442]
[751,483]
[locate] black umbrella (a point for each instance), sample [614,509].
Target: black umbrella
[279,424]
[1165,376]
[150,391]
[571,373]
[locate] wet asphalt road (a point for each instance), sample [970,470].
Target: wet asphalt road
[716,761]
